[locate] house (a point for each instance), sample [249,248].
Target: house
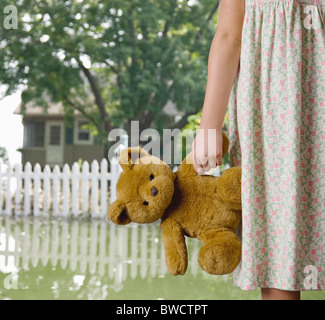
[48,140]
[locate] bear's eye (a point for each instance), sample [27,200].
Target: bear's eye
[145,203]
[151,177]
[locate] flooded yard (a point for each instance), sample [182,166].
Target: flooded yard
[94,259]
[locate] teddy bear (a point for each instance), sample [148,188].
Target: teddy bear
[205,207]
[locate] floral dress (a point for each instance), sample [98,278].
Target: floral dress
[277,136]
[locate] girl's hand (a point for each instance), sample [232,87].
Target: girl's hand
[207,150]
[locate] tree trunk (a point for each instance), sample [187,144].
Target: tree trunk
[98,98]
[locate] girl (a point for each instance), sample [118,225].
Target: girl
[267,60]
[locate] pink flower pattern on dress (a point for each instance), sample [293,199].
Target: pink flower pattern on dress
[277,135]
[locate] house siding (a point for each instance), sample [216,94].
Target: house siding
[73,153]
[34,156]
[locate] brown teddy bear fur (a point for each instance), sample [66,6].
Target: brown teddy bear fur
[199,206]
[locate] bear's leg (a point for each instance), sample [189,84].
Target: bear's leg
[221,251]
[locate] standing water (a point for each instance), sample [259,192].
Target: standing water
[50,259]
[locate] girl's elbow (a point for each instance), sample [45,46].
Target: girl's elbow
[229,38]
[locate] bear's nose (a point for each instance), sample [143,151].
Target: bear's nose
[154,191]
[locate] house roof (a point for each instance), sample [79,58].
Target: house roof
[53,109]
[56,109]
[170,109]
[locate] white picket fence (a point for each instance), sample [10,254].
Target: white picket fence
[75,191]
[66,192]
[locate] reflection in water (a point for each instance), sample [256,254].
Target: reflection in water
[62,259]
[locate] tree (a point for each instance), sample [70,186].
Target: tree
[3,154]
[113,61]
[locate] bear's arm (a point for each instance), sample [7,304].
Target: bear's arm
[186,168]
[175,246]
[229,187]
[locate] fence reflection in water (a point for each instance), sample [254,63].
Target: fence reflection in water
[93,247]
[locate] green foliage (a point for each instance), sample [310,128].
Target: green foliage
[3,154]
[113,61]
[80,162]
[193,121]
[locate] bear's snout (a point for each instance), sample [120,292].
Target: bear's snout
[154,191]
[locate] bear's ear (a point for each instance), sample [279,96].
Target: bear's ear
[117,213]
[129,156]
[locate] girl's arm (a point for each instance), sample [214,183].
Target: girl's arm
[223,64]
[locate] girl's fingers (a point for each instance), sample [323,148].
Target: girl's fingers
[200,170]
[212,163]
[201,164]
[218,162]
[205,164]
[196,163]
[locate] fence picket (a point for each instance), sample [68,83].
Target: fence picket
[37,180]
[18,176]
[85,187]
[8,191]
[115,172]
[27,188]
[66,190]
[46,189]
[56,192]
[1,185]
[94,188]
[75,190]
[103,187]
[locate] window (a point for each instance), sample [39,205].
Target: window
[55,135]
[83,134]
[34,134]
